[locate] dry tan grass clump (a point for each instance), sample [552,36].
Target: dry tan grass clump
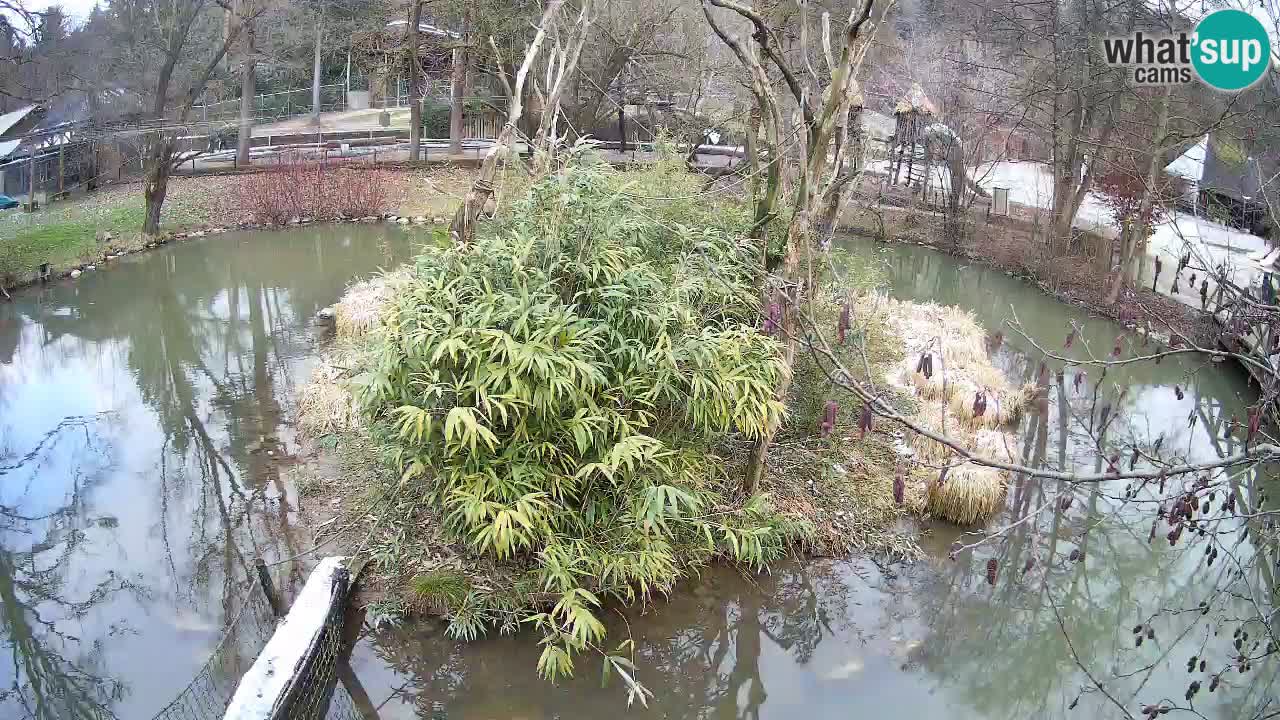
[972,494]
[326,404]
[360,309]
[961,370]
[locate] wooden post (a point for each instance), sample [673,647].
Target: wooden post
[268,589]
[31,181]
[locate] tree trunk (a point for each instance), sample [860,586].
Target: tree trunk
[458,93]
[415,93]
[1135,233]
[463,226]
[315,73]
[247,85]
[157,185]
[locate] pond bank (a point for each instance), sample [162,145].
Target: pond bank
[1004,243]
[83,233]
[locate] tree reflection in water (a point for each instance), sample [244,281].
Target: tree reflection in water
[195,350]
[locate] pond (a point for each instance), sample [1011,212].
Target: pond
[144,427]
[146,432]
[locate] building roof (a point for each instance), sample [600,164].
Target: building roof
[8,120]
[427,28]
[1190,164]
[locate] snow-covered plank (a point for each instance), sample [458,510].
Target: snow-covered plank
[263,686]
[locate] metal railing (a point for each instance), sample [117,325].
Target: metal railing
[269,107]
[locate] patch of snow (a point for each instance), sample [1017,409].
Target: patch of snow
[7,147]
[260,688]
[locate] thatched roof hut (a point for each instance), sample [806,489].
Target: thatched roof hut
[915,102]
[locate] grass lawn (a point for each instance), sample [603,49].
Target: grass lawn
[64,234]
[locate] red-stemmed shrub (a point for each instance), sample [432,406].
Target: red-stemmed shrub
[319,190]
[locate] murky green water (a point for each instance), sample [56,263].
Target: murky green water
[145,424]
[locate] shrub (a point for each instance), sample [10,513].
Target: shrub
[560,386]
[322,190]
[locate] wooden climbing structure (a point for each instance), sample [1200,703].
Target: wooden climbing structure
[913,113]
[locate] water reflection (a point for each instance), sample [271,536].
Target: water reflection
[843,639]
[814,638]
[144,425]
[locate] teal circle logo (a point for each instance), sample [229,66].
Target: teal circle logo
[1232,50]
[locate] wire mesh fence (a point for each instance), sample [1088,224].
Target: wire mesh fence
[206,696]
[317,686]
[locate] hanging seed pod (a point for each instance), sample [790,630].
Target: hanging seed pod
[829,413]
[1073,704]
[1213,683]
[992,567]
[1115,351]
[1137,629]
[1204,509]
[1151,633]
[1064,502]
[1174,534]
[1133,460]
[1177,391]
[1071,339]
[1076,383]
[1155,449]
[1137,642]
[1152,537]
[1202,664]
[1030,563]
[1113,464]
[1193,279]
[1231,502]
[979,404]
[864,421]
[1255,423]
[1191,664]
[928,366]
[899,488]
[1192,689]
[920,363]
[1204,292]
[1075,555]
[844,324]
[773,321]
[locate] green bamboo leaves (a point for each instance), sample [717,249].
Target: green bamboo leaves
[559,385]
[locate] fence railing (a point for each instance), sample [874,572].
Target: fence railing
[269,107]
